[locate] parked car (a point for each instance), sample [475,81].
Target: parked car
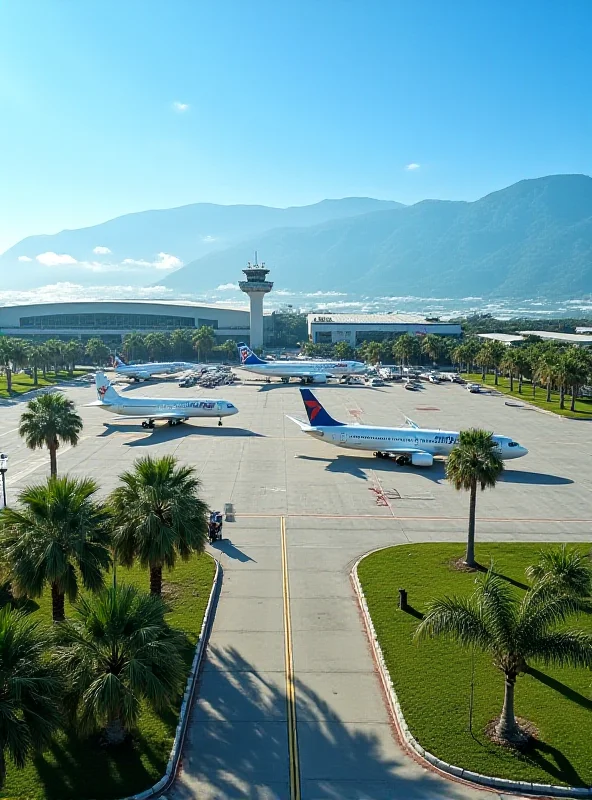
[474,388]
[375,382]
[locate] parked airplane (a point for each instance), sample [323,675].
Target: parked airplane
[307,371]
[143,372]
[409,445]
[151,409]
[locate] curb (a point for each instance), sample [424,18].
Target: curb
[169,776]
[429,760]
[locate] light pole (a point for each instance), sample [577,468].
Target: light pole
[3,468]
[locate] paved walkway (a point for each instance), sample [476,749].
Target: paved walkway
[238,742]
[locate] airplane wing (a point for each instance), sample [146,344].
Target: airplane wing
[410,423]
[163,415]
[304,426]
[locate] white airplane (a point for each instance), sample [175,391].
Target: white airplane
[409,445]
[151,409]
[307,371]
[143,372]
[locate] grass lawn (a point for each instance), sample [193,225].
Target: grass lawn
[583,405]
[75,769]
[24,383]
[433,679]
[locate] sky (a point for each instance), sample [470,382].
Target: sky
[109,107]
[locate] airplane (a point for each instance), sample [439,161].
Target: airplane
[152,409]
[143,372]
[307,371]
[409,445]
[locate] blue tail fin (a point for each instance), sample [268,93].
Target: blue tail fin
[247,356]
[315,411]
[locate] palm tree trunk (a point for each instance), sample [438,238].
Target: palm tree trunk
[8,380]
[483,374]
[115,733]
[562,396]
[496,375]
[53,460]
[574,391]
[35,379]
[58,610]
[507,727]
[470,555]
[156,580]
[520,384]
[511,381]
[2,768]
[533,387]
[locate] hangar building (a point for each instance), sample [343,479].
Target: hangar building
[112,319]
[355,328]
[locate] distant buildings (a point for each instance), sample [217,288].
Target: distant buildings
[355,328]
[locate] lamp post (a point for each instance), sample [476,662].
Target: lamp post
[3,468]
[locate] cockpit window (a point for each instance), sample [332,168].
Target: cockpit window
[513,444]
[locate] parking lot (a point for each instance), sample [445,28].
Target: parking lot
[334,505]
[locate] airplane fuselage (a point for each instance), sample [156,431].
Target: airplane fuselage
[145,371]
[305,369]
[204,407]
[435,442]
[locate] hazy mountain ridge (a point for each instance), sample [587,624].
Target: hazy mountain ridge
[534,237]
[531,238]
[187,232]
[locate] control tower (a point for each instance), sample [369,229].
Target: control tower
[256,286]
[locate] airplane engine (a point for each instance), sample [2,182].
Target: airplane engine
[319,379]
[422,459]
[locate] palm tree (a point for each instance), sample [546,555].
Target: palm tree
[405,348]
[203,341]
[133,345]
[116,652]
[510,363]
[97,351]
[514,631]
[6,360]
[29,689]
[546,369]
[36,357]
[483,359]
[158,516]
[343,351]
[473,461]
[57,535]
[50,420]
[564,570]
[432,346]
[71,352]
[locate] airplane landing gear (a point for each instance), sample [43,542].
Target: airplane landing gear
[285,380]
[149,424]
[380,454]
[219,422]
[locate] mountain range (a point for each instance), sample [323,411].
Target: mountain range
[531,238]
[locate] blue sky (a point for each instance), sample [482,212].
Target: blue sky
[286,102]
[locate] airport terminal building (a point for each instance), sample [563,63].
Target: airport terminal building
[112,319]
[356,328]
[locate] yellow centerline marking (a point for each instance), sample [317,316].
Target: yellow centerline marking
[290,688]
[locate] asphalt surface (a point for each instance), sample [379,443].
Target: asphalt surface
[289,703]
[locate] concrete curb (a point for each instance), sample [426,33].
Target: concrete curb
[167,779]
[429,760]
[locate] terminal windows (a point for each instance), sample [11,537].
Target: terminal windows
[113,322]
[208,323]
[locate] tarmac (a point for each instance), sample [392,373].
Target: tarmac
[289,703]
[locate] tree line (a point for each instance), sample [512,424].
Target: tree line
[90,671]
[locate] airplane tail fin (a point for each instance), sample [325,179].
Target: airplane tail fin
[105,392]
[247,356]
[315,411]
[118,361]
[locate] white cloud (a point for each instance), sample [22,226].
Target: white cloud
[101,251]
[227,287]
[412,166]
[209,239]
[51,259]
[180,107]
[64,291]
[162,261]
[24,258]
